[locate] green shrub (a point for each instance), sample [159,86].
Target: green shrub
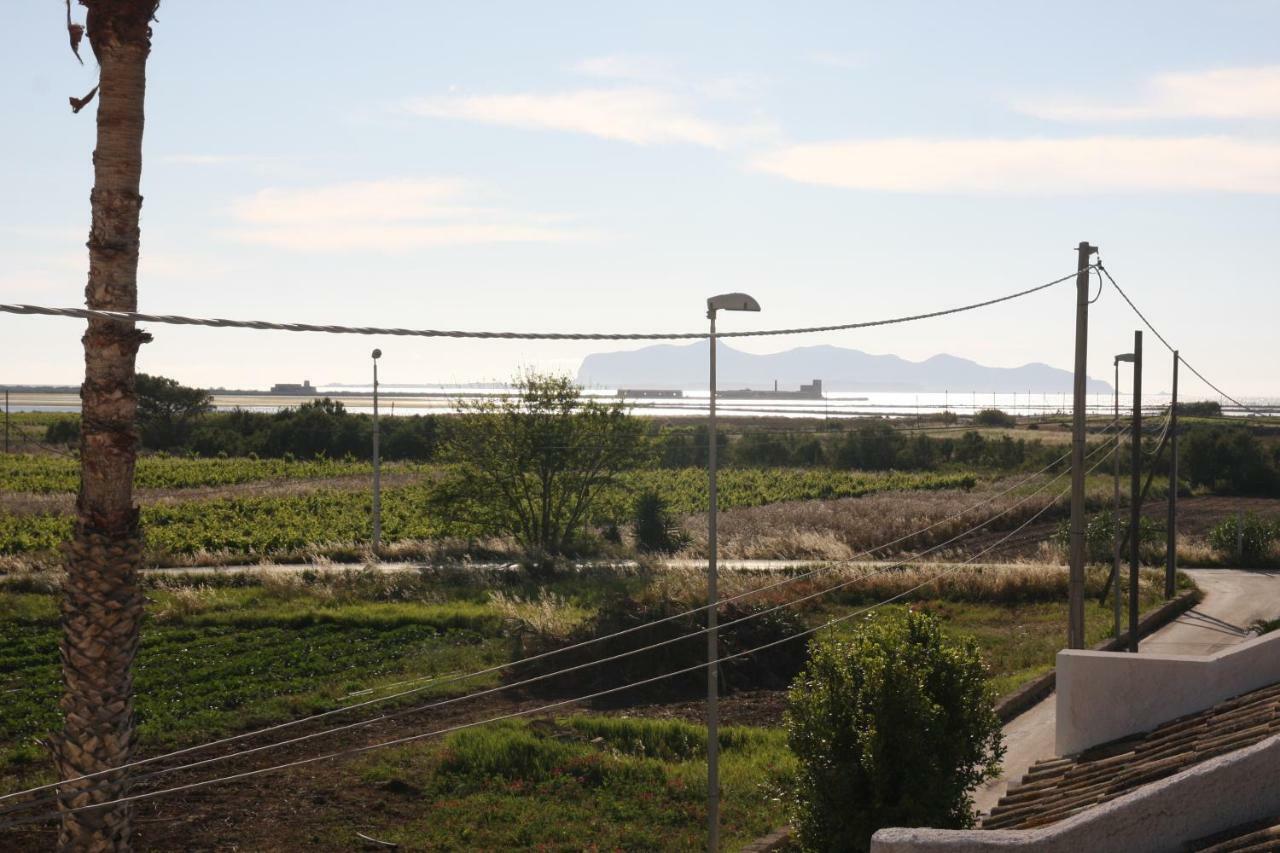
[64,430]
[666,740]
[770,669]
[506,751]
[994,418]
[1099,534]
[656,530]
[893,725]
[1255,544]
[1200,408]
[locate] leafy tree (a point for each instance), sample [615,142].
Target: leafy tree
[1229,460]
[893,725]
[761,450]
[532,464]
[921,452]
[969,448]
[167,411]
[873,445]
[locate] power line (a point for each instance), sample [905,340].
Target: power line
[1168,345]
[550,706]
[264,325]
[543,655]
[563,671]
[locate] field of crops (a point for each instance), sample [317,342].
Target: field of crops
[260,526]
[43,473]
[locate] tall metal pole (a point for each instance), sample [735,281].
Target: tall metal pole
[1135,499]
[6,420]
[1075,584]
[1171,534]
[713,646]
[377,462]
[1115,533]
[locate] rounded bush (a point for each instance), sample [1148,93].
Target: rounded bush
[893,725]
[1254,536]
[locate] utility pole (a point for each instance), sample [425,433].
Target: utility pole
[1135,499]
[1075,584]
[1115,511]
[6,420]
[1171,535]
[377,466]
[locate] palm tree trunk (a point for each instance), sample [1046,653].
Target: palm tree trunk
[102,601]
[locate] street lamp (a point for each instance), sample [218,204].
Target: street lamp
[377,467]
[1115,538]
[723,302]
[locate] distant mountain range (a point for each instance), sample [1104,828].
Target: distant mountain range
[675,366]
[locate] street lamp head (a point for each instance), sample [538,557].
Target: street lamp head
[731,302]
[377,354]
[1125,356]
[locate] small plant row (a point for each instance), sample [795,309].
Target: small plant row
[49,474]
[256,526]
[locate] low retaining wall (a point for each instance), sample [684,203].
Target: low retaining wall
[1230,790]
[1103,696]
[1033,692]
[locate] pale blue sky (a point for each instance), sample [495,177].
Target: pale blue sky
[599,167]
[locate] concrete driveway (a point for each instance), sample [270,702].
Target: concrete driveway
[1233,600]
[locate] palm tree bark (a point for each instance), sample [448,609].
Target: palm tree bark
[102,601]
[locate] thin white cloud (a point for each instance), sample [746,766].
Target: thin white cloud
[58,275]
[659,72]
[391,215]
[1034,166]
[839,60]
[639,115]
[1223,93]
[210,159]
[636,68]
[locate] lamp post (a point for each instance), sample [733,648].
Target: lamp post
[1115,536]
[723,302]
[377,466]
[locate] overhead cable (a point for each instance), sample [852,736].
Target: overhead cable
[1170,346]
[264,325]
[549,706]
[438,681]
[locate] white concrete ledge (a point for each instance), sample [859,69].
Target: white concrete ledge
[1103,696]
[1224,792]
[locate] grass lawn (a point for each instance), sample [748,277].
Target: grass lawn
[616,784]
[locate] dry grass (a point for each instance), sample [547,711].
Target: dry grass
[548,615]
[183,600]
[992,583]
[841,529]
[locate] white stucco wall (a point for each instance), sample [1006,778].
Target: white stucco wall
[1102,696]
